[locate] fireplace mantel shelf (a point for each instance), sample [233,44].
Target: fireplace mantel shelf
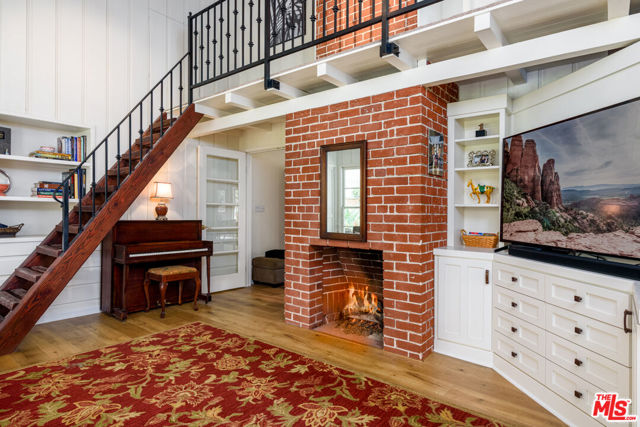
[377,246]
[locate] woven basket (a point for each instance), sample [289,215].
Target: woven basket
[489,240]
[10,231]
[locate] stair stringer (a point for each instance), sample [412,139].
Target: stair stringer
[42,293]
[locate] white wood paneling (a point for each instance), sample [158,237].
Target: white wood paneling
[89,62]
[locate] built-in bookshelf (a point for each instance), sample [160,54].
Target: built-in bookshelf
[464,212]
[28,134]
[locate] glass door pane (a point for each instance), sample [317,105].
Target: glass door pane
[222,213]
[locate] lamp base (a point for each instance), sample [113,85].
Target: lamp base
[161,212]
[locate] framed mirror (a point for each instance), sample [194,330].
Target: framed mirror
[343,190]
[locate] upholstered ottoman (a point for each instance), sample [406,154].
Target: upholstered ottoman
[268,270]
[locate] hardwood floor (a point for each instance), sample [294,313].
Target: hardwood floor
[257,312]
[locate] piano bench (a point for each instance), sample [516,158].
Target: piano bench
[169,274]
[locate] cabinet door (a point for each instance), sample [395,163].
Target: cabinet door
[463,306]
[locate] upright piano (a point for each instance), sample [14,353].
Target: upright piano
[133,247]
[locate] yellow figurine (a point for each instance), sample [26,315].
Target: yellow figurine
[477,190]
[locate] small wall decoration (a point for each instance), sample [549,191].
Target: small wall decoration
[477,190]
[5,183]
[483,158]
[481,131]
[5,140]
[436,153]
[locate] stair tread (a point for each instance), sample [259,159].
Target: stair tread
[8,300]
[52,249]
[19,292]
[73,228]
[124,170]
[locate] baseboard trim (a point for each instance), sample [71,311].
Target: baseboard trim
[466,353]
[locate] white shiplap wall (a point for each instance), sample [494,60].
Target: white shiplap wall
[89,62]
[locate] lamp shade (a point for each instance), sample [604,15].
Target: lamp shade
[161,190]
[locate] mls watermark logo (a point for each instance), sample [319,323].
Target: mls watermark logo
[611,408]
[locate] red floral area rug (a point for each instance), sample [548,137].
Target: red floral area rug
[198,375]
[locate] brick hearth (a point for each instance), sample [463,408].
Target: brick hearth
[406,207]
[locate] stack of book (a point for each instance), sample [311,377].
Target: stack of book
[75,146]
[40,154]
[46,189]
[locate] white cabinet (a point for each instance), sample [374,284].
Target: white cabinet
[463,305]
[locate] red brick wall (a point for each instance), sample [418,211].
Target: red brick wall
[406,208]
[399,24]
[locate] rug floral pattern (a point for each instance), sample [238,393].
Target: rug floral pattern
[198,375]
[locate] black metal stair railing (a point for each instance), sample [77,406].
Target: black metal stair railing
[168,95]
[231,36]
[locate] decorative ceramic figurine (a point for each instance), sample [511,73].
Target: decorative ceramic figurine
[477,190]
[5,183]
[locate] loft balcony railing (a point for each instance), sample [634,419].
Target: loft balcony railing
[232,36]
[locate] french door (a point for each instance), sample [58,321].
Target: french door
[223,210]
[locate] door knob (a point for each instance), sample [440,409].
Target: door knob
[577,394]
[514,329]
[514,279]
[578,362]
[514,354]
[577,330]
[576,298]
[514,304]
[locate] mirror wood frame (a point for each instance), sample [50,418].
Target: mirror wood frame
[324,150]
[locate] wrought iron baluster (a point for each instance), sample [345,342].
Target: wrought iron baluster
[346,21]
[161,108]
[180,88]
[243,28]
[141,132]
[117,160]
[235,34]
[228,36]
[360,11]
[93,185]
[208,47]
[201,48]
[195,51]
[190,64]
[335,9]
[129,144]
[259,22]
[65,215]
[78,177]
[150,125]
[324,17]
[313,18]
[106,169]
[283,10]
[214,42]
[251,4]
[171,95]
[221,56]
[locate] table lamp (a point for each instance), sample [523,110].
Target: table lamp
[161,193]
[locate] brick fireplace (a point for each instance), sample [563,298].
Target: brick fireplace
[406,208]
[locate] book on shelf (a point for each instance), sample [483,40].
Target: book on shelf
[39,154]
[77,176]
[74,146]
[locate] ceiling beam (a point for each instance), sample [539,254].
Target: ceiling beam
[618,8]
[560,46]
[235,100]
[331,74]
[491,36]
[400,59]
[286,91]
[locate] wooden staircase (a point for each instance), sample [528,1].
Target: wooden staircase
[31,289]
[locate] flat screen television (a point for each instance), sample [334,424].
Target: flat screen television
[575,185]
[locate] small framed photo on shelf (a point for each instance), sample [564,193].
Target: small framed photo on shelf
[436,153]
[481,131]
[478,159]
[5,140]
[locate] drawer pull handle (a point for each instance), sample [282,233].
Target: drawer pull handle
[514,354]
[577,330]
[514,304]
[514,329]
[514,279]
[627,329]
[578,362]
[576,298]
[577,394]
[486,277]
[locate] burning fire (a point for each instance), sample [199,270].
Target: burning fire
[361,302]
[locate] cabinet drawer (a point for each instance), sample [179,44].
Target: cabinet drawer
[520,280]
[599,337]
[519,356]
[520,331]
[602,304]
[521,306]
[570,387]
[598,370]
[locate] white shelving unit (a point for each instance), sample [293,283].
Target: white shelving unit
[28,134]
[464,119]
